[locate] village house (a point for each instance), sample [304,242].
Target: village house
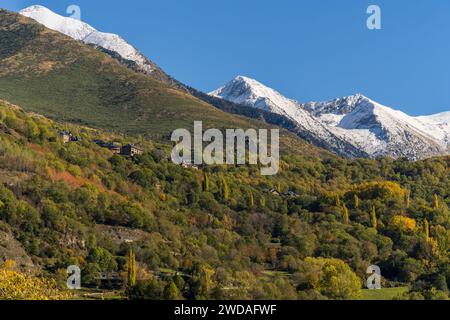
[130,150]
[126,150]
[114,148]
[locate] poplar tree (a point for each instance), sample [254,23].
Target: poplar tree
[251,201]
[345,215]
[407,199]
[426,227]
[131,268]
[225,190]
[205,182]
[373,218]
[436,201]
[356,201]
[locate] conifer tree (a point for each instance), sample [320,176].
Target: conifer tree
[373,218]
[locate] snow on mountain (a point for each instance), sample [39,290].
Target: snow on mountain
[368,126]
[437,125]
[249,92]
[81,31]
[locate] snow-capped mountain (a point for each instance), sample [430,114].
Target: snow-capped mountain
[249,92]
[368,126]
[81,31]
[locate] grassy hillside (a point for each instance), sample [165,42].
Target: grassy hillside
[49,73]
[218,232]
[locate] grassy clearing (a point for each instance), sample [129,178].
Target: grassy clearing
[383,294]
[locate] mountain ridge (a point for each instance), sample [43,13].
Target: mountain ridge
[374,129]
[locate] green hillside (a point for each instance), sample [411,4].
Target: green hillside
[217,232]
[49,73]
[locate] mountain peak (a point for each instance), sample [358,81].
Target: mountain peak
[247,91]
[73,28]
[82,31]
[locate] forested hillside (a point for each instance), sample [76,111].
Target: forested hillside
[217,232]
[49,73]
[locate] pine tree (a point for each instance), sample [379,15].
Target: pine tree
[225,190]
[131,268]
[345,216]
[356,201]
[373,218]
[426,227]
[205,182]
[436,201]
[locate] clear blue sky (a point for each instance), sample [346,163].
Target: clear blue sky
[306,49]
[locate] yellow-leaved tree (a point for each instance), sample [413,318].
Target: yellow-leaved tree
[15,285]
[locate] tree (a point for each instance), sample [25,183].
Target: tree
[251,201]
[225,190]
[345,215]
[356,201]
[373,218]
[205,182]
[426,227]
[436,201]
[171,292]
[15,285]
[407,199]
[403,224]
[262,202]
[131,275]
[332,278]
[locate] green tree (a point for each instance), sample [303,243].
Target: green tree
[171,292]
